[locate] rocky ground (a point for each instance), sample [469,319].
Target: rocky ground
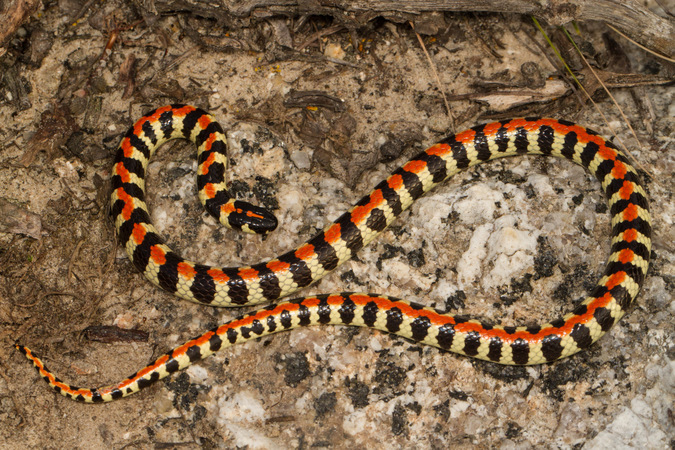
[516,241]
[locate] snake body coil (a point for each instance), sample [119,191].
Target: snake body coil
[337,243]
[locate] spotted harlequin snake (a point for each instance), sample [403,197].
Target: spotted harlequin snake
[337,243]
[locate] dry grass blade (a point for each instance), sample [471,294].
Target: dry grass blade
[658,55]
[586,93]
[438,80]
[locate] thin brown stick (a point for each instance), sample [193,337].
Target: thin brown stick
[73,257]
[42,297]
[318,35]
[438,80]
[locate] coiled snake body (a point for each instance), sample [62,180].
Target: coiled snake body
[337,243]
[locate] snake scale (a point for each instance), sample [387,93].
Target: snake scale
[272,280]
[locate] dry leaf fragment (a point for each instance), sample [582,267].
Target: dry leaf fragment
[54,130]
[17,220]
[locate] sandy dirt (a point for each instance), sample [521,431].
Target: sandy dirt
[516,240]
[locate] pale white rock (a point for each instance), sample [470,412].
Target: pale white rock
[355,422]
[508,240]
[541,184]
[510,250]
[362,421]
[329,185]
[640,407]
[243,406]
[400,273]
[380,140]
[184,186]
[68,169]
[251,437]
[656,289]
[302,159]
[507,267]
[125,320]
[469,265]
[458,407]
[433,209]
[628,431]
[345,360]
[478,205]
[292,199]
[523,168]
[572,425]
[198,374]
[443,289]
[661,397]
[375,343]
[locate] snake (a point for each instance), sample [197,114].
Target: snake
[269,281]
